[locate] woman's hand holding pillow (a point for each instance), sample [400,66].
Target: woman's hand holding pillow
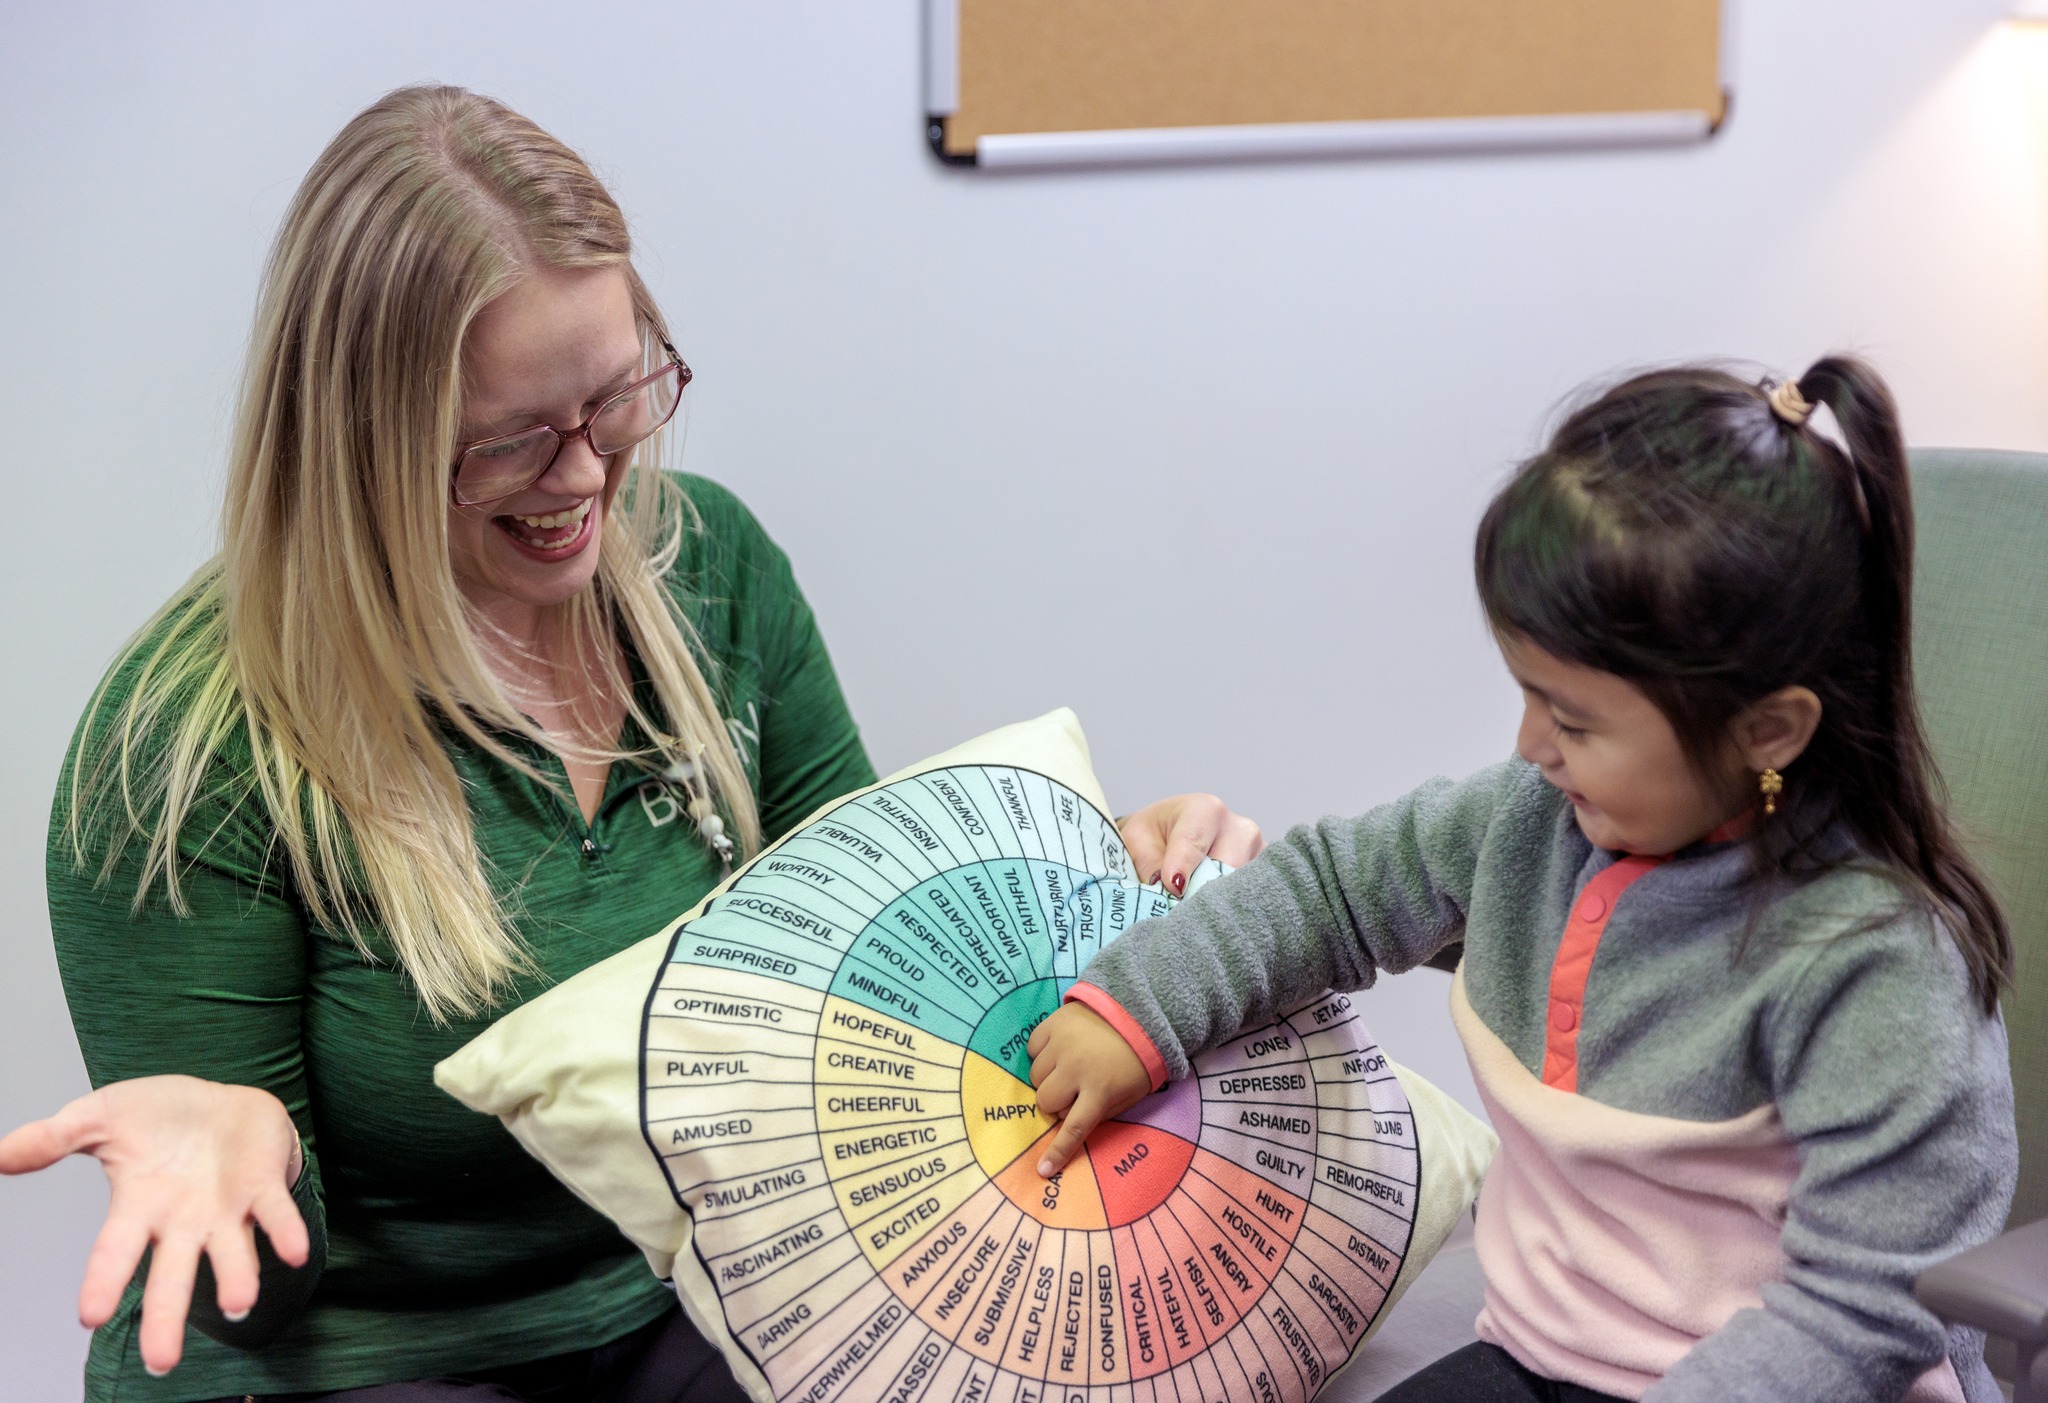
[1169,839]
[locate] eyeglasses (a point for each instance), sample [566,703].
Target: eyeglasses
[492,468]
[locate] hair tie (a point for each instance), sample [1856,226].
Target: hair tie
[1793,408]
[1788,404]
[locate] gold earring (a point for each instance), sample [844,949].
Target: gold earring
[1772,784]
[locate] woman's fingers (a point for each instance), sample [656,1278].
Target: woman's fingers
[109,1267]
[31,1147]
[278,1216]
[1184,853]
[1168,840]
[166,1297]
[232,1251]
[1145,839]
[41,1143]
[1187,843]
[1238,843]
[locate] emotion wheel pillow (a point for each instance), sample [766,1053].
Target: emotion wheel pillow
[808,1102]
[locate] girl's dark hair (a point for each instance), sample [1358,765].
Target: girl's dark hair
[1679,533]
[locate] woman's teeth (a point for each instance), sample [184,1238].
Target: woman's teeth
[548,532]
[567,518]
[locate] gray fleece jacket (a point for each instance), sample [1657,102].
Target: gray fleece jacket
[1837,1010]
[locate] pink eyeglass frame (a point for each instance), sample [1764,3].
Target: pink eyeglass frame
[563,437]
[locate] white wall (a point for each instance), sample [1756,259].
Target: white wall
[1197,452]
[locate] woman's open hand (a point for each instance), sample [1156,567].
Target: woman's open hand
[1085,1073]
[1169,839]
[192,1164]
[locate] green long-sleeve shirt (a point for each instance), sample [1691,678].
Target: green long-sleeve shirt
[439,1244]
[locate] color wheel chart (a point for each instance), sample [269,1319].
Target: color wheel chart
[835,1080]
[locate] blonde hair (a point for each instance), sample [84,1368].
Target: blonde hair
[329,629]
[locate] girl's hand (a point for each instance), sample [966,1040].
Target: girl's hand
[191,1164]
[1085,1073]
[1169,839]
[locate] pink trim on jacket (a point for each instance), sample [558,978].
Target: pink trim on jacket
[1582,932]
[1113,1013]
[1614,1241]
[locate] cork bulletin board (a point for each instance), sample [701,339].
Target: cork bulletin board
[1076,82]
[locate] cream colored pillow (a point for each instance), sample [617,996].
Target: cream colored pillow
[807,1102]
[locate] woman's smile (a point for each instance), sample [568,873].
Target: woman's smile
[552,536]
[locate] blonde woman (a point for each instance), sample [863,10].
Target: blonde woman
[472,695]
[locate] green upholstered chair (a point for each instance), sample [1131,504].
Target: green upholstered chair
[1981,632]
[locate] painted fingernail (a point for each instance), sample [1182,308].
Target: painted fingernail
[235,1317]
[1180,884]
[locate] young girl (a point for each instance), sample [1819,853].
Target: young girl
[1730,986]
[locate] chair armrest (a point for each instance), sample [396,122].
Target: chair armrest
[2000,1288]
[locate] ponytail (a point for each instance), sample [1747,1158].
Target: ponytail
[1902,817]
